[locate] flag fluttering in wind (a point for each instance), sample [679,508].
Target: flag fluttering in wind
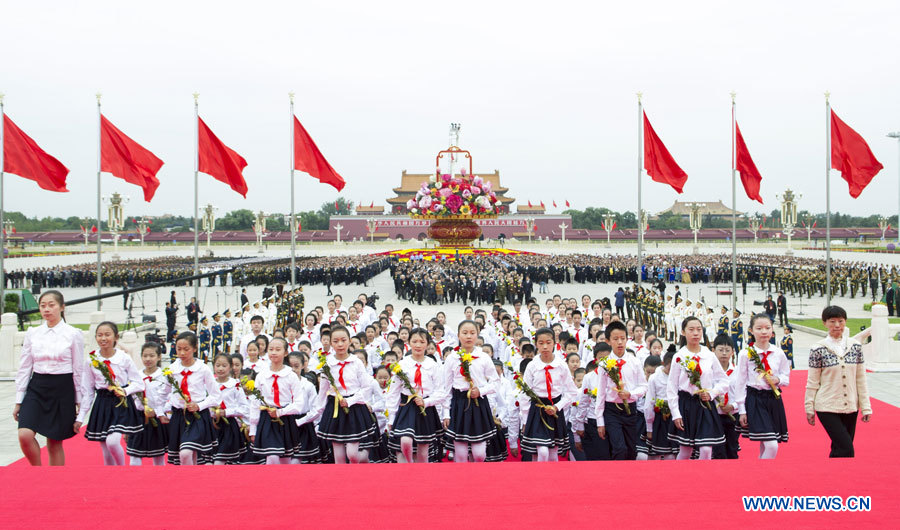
[127,159]
[22,156]
[658,162]
[308,158]
[850,154]
[743,163]
[219,161]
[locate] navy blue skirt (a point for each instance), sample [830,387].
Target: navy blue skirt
[380,453]
[766,420]
[232,444]
[641,446]
[355,426]
[198,436]
[536,434]
[108,417]
[497,449]
[411,423]
[274,439]
[149,442]
[48,407]
[471,420]
[702,426]
[662,429]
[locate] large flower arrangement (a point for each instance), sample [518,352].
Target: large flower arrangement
[453,196]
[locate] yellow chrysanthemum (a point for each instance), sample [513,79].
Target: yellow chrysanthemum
[251,385]
[594,392]
[610,363]
[465,210]
[167,372]
[320,365]
[96,363]
[467,357]
[396,368]
[692,365]
[749,354]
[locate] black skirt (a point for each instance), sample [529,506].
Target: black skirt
[231,441]
[660,444]
[274,439]
[380,453]
[198,436]
[471,420]
[355,426]
[48,407]
[536,434]
[108,417]
[149,442]
[702,426]
[766,420]
[497,449]
[411,423]
[641,446]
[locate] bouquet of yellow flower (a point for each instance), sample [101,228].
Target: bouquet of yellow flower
[535,399]
[691,365]
[112,386]
[249,387]
[215,411]
[613,369]
[762,367]
[397,370]
[325,369]
[722,401]
[177,388]
[661,406]
[147,412]
[465,365]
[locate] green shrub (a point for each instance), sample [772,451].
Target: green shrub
[11,303]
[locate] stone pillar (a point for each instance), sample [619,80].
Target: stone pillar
[9,360]
[883,353]
[128,342]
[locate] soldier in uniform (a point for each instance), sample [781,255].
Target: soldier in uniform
[723,321]
[227,332]
[737,330]
[216,335]
[787,344]
[204,338]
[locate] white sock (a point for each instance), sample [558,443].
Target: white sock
[460,452]
[406,447]
[479,451]
[684,452]
[114,446]
[706,452]
[422,453]
[273,460]
[136,461]
[768,449]
[543,453]
[159,460]
[340,454]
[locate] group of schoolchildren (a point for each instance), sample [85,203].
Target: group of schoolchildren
[350,386]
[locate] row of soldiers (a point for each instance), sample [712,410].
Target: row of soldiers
[476,280]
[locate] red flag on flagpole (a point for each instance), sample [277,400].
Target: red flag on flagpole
[850,154]
[372,205]
[659,162]
[815,223]
[309,159]
[743,163]
[567,203]
[93,229]
[602,225]
[542,204]
[127,159]
[337,208]
[554,204]
[219,161]
[529,204]
[615,224]
[22,156]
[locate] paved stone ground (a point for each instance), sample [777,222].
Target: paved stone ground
[884,386]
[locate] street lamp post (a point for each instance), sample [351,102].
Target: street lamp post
[529,227]
[896,134]
[143,225]
[86,230]
[809,221]
[116,218]
[755,224]
[209,225]
[259,228]
[372,225]
[884,225]
[609,220]
[696,221]
[789,215]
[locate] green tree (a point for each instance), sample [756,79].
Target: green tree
[242,219]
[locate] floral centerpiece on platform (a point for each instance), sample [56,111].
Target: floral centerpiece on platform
[454,196]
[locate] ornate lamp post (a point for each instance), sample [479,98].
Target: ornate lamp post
[259,228]
[529,227]
[209,225]
[86,230]
[371,225]
[563,227]
[884,225]
[789,215]
[643,224]
[116,218]
[143,225]
[338,227]
[695,218]
[755,223]
[609,220]
[809,223]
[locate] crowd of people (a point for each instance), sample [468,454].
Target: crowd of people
[566,379]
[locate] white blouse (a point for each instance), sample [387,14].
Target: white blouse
[155,390]
[747,375]
[356,387]
[561,383]
[586,401]
[712,378]
[433,390]
[234,400]
[481,371]
[52,351]
[125,374]
[202,386]
[656,389]
[292,397]
[632,380]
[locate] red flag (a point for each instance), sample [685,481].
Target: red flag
[750,176]
[567,204]
[542,204]
[93,229]
[336,207]
[659,162]
[82,229]
[850,155]
[22,156]
[602,225]
[815,223]
[372,205]
[148,229]
[554,204]
[309,159]
[615,224]
[14,230]
[219,161]
[127,159]
[529,204]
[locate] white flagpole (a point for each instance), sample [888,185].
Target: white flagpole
[640,239]
[291,223]
[827,198]
[196,196]
[2,234]
[99,226]
[733,202]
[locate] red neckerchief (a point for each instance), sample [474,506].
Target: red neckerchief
[276,397]
[184,383]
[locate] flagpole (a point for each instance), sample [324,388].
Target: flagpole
[733,205]
[827,198]
[99,226]
[291,222]
[2,233]
[196,195]
[640,238]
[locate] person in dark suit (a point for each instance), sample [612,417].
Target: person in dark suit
[770,308]
[889,300]
[782,309]
[193,311]
[172,299]
[244,299]
[171,313]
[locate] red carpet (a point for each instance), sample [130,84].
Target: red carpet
[673,494]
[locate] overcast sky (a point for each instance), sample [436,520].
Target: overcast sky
[545,93]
